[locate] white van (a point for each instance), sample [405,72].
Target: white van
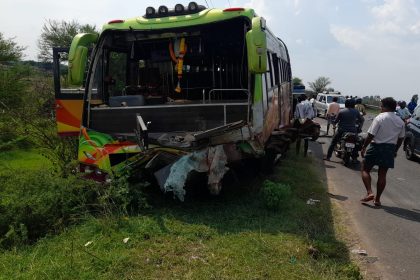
[324,99]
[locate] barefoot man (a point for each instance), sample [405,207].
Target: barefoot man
[385,136]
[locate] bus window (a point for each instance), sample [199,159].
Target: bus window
[117,72]
[284,71]
[270,67]
[276,69]
[268,74]
[265,92]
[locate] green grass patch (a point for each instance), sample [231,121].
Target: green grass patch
[373,111]
[22,160]
[232,236]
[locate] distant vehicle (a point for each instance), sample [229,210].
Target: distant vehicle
[412,136]
[324,99]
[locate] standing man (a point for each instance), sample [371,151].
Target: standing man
[385,136]
[362,110]
[413,103]
[403,111]
[304,109]
[332,112]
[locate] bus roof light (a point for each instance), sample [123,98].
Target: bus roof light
[179,8]
[234,10]
[150,11]
[116,21]
[163,10]
[192,6]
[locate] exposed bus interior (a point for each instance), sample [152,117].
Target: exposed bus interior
[134,73]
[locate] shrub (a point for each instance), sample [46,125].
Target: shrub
[275,196]
[36,203]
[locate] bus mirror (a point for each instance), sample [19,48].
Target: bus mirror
[78,57]
[256,42]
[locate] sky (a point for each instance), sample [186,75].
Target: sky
[365,47]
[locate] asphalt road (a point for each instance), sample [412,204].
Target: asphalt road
[390,233]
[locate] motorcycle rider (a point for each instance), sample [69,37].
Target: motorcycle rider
[332,112]
[346,120]
[362,110]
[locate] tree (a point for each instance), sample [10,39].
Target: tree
[9,50]
[59,34]
[320,84]
[297,81]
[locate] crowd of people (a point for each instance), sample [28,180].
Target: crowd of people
[384,136]
[405,111]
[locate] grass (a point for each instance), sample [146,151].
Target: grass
[232,236]
[22,159]
[373,111]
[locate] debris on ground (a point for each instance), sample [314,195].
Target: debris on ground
[312,201]
[359,252]
[313,252]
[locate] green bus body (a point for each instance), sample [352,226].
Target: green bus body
[216,83]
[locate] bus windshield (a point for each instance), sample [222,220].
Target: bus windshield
[147,66]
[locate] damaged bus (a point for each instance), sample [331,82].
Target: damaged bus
[176,90]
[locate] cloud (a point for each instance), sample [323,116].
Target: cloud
[415,28]
[391,22]
[296,6]
[396,17]
[260,8]
[348,36]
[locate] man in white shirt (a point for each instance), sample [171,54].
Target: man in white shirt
[304,109]
[385,136]
[403,111]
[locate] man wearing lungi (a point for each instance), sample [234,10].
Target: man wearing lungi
[385,136]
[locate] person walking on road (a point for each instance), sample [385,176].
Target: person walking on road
[385,136]
[346,120]
[332,113]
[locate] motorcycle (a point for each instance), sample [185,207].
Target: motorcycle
[348,147]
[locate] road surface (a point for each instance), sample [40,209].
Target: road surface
[390,233]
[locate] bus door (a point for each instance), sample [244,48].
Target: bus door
[68,99]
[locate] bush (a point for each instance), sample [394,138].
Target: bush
[275,196]
[36,203]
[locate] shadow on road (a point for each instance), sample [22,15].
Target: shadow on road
[337,196]
[399,212]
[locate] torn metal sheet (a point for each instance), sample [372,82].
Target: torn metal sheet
[176,140]
[211,160]
[219,130]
